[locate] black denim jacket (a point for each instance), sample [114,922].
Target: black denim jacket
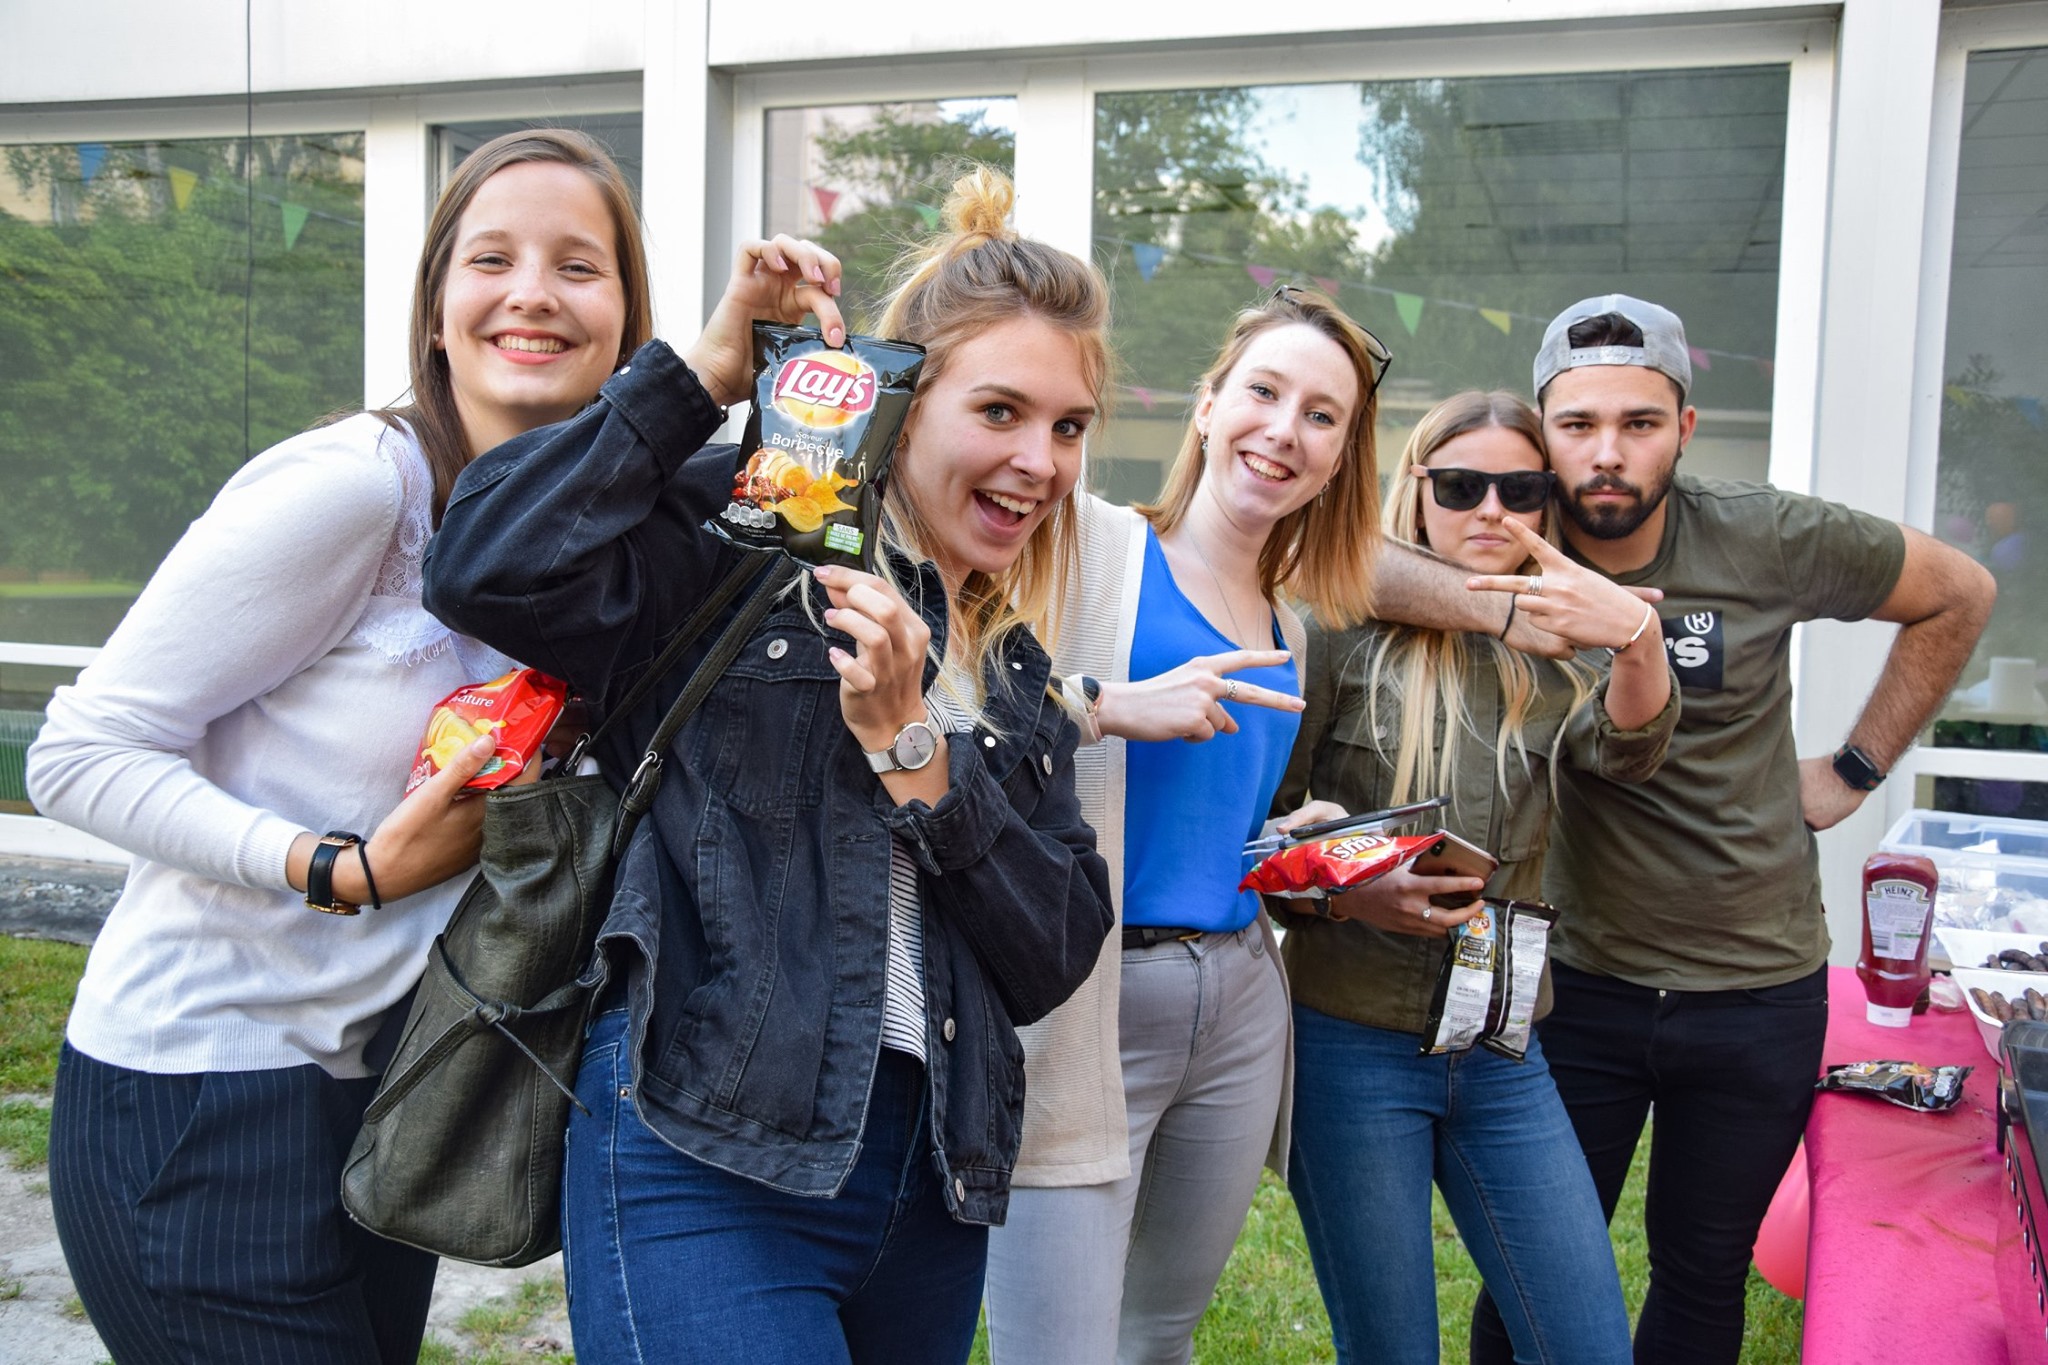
[751,909]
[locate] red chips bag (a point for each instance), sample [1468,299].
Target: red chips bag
[522,707]
[1330,865]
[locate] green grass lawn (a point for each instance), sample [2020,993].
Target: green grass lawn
[1266,1311]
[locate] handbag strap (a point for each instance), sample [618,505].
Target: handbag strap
[699,621]
[646,779]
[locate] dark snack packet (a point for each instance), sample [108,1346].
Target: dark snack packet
[1470,989]
[1910,1085]
[1526,925]
[815,456]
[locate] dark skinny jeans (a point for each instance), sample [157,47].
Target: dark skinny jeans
[1731,1074]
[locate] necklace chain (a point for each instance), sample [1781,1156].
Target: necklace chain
[1240,634]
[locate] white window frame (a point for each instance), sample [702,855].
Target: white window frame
[1963,34]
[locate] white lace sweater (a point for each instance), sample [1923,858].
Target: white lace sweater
[275,676]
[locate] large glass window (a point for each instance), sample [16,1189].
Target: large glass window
[1992,492]
[1453,218]
[618,134]
[173,308]
[868,180]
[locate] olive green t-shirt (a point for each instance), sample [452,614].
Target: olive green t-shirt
[1705,877]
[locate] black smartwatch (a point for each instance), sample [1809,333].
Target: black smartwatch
[1856,770]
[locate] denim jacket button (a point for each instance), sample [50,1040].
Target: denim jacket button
[946,1030]
[777,648]
[1045,762]
[988,741]
[959,1190]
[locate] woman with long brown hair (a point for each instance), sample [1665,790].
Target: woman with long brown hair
[271,684]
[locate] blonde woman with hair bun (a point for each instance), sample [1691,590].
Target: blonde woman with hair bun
[867,866]
[1400,713]
[1159,1090]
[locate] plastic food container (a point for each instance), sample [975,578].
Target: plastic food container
[1988,1028]
[1994,872]
[1969,947]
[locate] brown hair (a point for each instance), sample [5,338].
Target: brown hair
[432,415]
[977,274]
[1426,670]
[1323,552]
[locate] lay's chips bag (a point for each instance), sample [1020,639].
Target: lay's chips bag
[817,445]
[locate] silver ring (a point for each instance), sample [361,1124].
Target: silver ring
[1535,588]
[1427,911]
[1230,689]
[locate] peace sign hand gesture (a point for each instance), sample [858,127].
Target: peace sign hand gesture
[1568,599]
[1187,702]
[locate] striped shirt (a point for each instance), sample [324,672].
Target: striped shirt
[903,1021]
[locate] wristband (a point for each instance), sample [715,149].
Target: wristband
[363,856]
[1649,612]
[320,873]
[1504,626]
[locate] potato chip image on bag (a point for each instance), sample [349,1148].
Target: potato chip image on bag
[815,456]
[521,707]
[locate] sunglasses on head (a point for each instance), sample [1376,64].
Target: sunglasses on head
[1382,358]
[1461,490]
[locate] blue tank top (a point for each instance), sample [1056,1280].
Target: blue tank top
[1188,808]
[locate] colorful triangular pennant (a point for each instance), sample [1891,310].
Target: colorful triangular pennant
[826,199]
[90,155]
[929,214]
[2030,408]
[1144,396]
[1262,275]
[1503,320]
[294,223]
[1700,359]
[1328,285]
[1148,258]
[182,182]
[1409,306]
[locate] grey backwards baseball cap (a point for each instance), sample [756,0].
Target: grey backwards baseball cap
[1663,347]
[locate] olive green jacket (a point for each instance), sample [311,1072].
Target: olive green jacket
[1369,976]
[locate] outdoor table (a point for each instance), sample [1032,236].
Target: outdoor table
[1913,1250]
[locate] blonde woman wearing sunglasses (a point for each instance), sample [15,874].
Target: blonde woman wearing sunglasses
[1396,713]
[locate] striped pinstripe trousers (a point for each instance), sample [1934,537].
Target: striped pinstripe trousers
[201,1218]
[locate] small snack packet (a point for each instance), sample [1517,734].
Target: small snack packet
[1527,928]
[1910,1085]
[1315,870]
[522,707]
[1467,1002]
[818,444]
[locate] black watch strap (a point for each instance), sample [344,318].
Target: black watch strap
[320,873]
[1856,770]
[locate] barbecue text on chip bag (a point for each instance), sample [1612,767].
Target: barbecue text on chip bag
[521,707]
[818,443]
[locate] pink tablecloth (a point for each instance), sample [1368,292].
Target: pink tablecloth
[1911,1213]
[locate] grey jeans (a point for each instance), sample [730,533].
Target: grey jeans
[1089,1274]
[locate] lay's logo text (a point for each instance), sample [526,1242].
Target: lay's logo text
[825,389]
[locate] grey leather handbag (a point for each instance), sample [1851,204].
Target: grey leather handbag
[460,1153]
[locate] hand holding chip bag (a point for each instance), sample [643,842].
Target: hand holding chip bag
[519,708]
[1327,866]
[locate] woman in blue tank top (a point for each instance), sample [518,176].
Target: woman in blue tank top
[1157,1092]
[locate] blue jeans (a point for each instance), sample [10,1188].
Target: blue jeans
[1374,1124]
[672,1260]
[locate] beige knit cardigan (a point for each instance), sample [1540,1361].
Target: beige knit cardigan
[1075,1130]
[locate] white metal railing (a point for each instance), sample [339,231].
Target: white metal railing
[34,834]
[47,656]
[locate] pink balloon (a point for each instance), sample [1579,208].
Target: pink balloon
[1780,1252]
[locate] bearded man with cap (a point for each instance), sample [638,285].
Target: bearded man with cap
[1690,963]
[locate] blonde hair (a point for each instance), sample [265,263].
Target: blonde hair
[974,275]
[1426,670]
[1321,553]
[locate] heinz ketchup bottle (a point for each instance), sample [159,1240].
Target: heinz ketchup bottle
[1898,911]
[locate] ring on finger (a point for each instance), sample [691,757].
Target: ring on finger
[1427,911]
[1535,585]
[1230,689]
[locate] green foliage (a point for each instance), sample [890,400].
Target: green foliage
[42,979]
[137,332]
[1992,498]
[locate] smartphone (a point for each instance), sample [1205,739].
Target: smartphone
[1451,856]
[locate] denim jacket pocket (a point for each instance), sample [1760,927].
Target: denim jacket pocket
[768,730]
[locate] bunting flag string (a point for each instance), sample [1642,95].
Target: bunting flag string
[930,216]
[294,223]
[825,200]
[182,182]
[90,155]
[1408,307]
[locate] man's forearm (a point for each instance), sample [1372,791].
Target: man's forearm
[1924,663]
[1415,588]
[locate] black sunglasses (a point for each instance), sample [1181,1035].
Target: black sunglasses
[1461,490]
[1374,347]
